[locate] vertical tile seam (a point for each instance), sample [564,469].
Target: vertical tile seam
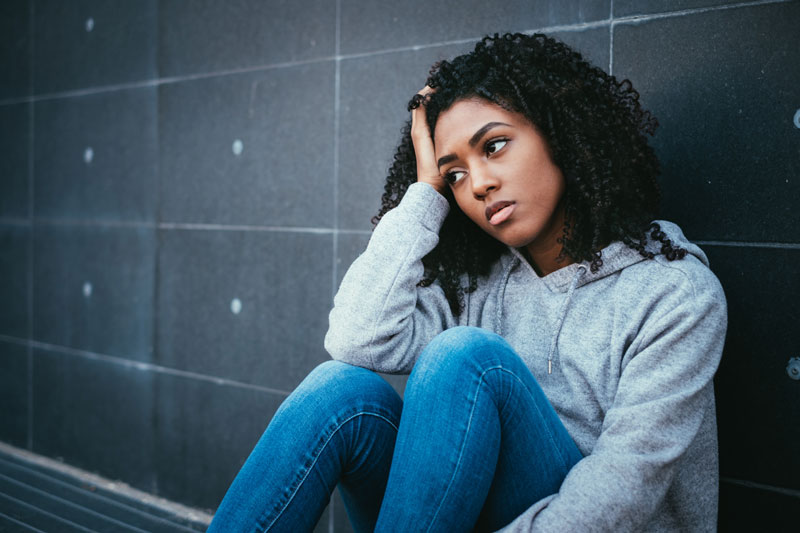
[154,456]
[29,288]
[611,39]
[336,121]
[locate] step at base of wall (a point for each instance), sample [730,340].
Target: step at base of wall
[40,494]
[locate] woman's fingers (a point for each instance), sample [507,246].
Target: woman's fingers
[427,170]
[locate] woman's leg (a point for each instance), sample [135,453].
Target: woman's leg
[338,426]
[478,442]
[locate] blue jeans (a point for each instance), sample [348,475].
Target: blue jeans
[474,443]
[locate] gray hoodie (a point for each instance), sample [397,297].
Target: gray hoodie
[633,349]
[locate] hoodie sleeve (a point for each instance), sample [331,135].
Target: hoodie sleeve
[664,392]
[381,319]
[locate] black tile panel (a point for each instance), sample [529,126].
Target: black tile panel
[757,404]
[592,43]
[15,48]
[623,8]
[205,433]
[15,131]
[94,289]
[14,280]
[90,43]
[95,415]
[723,86]
[14,382]
[96,156]
[375,91]
[369,25]
[745,508]
[281,282]
[279,173]
[210,36]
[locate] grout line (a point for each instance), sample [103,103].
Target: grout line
[31,185]
[761,486]
[139,365]
[337,85]
[637,19]
[611,40]
[155,449]
[12,221]
[243,227]
[743,244]
[337,117]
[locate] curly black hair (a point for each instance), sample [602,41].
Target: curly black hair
[595,128]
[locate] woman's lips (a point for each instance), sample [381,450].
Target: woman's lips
[499,212]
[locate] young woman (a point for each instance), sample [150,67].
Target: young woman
[561,344]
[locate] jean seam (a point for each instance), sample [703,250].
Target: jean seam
[314,462]
[481,381]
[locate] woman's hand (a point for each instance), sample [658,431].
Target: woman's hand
[427,170]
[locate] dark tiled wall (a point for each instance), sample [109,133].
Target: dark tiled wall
[185,183]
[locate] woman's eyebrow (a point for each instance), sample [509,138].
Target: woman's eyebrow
[481,132]
[476,137]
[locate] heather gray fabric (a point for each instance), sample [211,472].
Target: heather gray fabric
[634,348]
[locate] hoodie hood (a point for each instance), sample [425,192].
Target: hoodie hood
[616,256]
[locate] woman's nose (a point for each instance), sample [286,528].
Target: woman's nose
[483,181]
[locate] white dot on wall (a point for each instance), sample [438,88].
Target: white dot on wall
[236,306]
[237,147]
[88,155]
[797,119]
[87,289]
[89,24]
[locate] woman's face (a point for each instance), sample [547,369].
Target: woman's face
[501,174]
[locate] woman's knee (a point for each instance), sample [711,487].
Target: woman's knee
[462,346]
[334,384]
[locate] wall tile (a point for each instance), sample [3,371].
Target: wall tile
[592,43]
[95,415]
[93,289]
[370,126]
[369,25]
[14,393]
[209,36]
[198,456]
[96,156]
[624,8]
[14,278]
[282,282]
[90,43]
[725,97]
[15,134]
[283,175]
[15,48]
[757,403]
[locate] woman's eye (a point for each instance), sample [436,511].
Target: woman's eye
[495,145]
[454,176]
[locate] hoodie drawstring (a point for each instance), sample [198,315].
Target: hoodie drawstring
[562,314]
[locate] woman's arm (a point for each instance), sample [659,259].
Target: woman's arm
[381,318]
[664,395]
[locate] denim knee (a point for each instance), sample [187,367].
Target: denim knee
[460,346]
[336,385]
